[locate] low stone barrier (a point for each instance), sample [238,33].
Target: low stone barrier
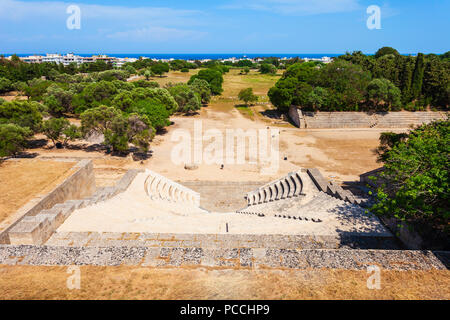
[222,241]
[246,258]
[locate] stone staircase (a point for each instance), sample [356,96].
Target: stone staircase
[332,188]
[403,119]
[38,228]
[316,210]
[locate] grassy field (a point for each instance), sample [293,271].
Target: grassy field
[33,282]
[23,180]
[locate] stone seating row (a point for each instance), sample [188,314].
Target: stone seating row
[159,187]
[286,187]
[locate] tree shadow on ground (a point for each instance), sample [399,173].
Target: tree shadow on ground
[98,147]
[272,114]
[141,156]
[191,114]
[25,155]
[37,143]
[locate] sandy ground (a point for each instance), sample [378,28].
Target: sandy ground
[22,180]
[341,154]
[33,282]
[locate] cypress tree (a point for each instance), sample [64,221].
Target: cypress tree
[418,76]
[406,79]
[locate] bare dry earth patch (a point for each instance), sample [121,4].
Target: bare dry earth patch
[22,180]
[126,282]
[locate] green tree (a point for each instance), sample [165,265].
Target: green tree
[71,133]
[203,89]
[384,51]
[245,63]
[317,98]
[247,96]
[54,128]
[13,139]
[123,100]
[160,68]
[417,81]
[155,111]
[267,68]
[60,130]
[147,74]
[107,121]
[58,100]
[213,77]
[161,95]
[383,93]
[187,99]
[140,131]
[145,84]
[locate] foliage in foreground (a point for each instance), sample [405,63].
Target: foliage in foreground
[416,176]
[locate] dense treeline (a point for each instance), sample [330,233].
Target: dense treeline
[123,112]
[353,82]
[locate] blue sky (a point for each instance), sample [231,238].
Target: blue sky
[223,26]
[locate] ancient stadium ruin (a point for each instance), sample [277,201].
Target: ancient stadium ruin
[298,221]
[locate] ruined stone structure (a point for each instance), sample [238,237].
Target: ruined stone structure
[298,221]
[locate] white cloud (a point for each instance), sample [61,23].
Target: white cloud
[141,22]
[156,34]
[297,7]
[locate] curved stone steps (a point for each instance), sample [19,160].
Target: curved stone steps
[160,188]
[286,187]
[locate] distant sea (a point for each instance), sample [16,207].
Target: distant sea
[201,56]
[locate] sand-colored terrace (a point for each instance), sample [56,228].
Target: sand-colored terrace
[135,211]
